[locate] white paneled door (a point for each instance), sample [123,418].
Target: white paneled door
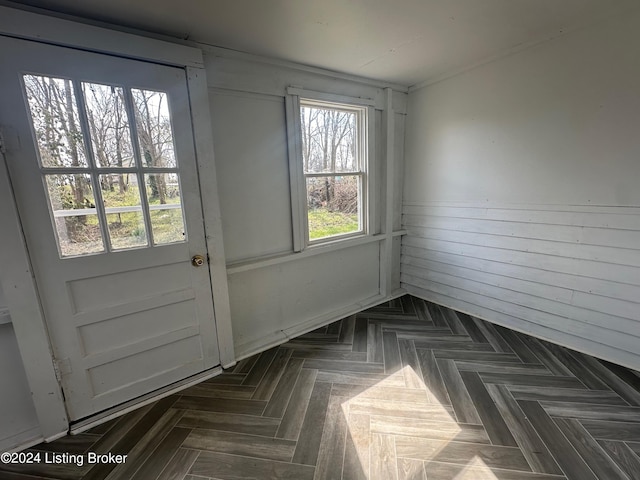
[101,156]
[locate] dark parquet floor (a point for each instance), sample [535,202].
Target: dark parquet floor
[404,390]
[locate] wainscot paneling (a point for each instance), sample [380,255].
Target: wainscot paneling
[569,274]
[277,302]
[276,293]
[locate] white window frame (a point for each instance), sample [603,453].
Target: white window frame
[297,177]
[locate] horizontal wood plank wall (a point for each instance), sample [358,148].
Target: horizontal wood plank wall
[568,274]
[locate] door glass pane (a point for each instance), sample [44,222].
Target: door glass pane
[108,125]
[125,220]
[165,208]
[74,214]
[60,138]
[54,116]
[153,124]
[333,205]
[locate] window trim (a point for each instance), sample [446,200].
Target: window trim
[297,176]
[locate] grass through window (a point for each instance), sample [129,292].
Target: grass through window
[323,223]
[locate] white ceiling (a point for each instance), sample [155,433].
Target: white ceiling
[400,41]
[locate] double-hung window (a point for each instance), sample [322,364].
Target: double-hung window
[329,162]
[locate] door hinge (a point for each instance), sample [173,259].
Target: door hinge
[56,369]
[3,146]
[62,367]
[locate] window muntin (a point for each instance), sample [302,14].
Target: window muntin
[334,167]
[97,144]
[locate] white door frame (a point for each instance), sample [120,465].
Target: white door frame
[17,277]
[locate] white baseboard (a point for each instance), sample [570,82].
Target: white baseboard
[563,339]
[22,440]
[253,347]
[5,316]
[136,403]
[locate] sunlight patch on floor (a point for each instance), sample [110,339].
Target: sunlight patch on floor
[401,404]
[476,469]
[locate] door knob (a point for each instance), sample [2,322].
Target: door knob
[197,260]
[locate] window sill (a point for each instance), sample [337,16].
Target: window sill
[317,249]
[335,239]
[313,250]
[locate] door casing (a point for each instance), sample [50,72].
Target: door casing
[17,278]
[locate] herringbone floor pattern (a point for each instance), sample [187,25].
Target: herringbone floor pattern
[405,390]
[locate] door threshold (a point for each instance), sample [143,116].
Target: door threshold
[102,417]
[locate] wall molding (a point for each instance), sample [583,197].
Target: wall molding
[249,57]
[552,207]
[81,35]
[543,39]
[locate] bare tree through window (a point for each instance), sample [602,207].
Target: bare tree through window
[103,194]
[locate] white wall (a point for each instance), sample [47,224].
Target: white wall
[522,191]
[274,299]
[18,421]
